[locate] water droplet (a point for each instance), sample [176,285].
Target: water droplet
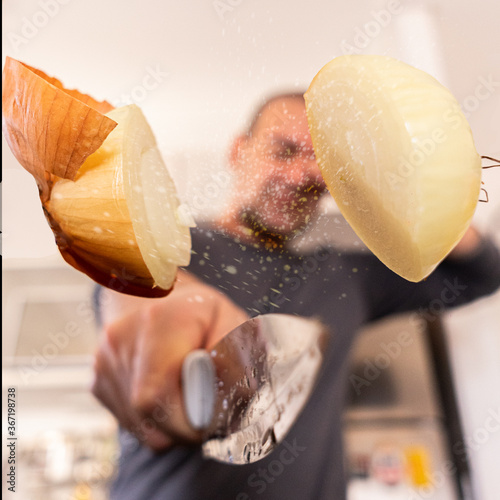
[231,270]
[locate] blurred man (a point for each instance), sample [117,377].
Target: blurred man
[242,266]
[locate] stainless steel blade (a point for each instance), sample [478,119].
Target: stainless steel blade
[264,372]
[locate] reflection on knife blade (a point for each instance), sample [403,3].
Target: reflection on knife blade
[265,371]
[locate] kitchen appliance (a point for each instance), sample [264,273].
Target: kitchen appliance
[402,427]
[66,445]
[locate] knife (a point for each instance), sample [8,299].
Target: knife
[246,393]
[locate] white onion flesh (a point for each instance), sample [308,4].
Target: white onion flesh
[398,157]
[164,240]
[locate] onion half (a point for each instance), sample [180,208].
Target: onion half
[105,190]
[398,157]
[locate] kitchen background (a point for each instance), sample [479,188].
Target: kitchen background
[197,69]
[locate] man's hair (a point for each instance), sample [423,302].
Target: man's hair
[267,102]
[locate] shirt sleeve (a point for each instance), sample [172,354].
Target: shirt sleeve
[456,281]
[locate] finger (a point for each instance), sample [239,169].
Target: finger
[156,384]
[111,385]
[225,319]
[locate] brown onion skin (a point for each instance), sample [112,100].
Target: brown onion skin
[52,130]
[117,279]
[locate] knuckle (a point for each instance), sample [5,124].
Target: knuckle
[100,375]
[95,388]
[159,442]
[100,366]
[97,365]
[95,384]
[143,400]
[111,336]
[152,316]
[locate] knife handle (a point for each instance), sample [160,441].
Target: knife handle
[198,388]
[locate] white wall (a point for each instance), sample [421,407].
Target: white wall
[213,62]
[213,59]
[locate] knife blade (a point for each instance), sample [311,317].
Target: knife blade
[246,393]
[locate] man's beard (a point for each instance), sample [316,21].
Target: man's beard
[274,237]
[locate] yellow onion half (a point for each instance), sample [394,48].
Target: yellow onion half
[105,190]
[398,156]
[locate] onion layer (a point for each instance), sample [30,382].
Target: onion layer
[50,129]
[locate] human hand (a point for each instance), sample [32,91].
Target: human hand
[139,360]
[469,243]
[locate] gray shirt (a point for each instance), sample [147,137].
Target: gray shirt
[345,291]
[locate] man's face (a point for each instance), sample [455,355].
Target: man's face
[278,180]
